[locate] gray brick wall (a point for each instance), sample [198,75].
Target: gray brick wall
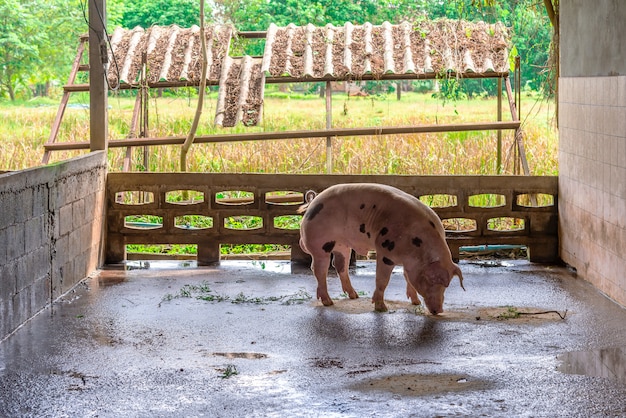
[50,233]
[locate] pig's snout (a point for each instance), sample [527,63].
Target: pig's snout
[435,311]
[434,301]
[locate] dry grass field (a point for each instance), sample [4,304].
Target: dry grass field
[25,128]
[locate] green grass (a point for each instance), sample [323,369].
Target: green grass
[25,127]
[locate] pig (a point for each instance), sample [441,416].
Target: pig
[398,226]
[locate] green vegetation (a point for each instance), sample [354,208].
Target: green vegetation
[230,371]
[510,313]
[24,129]
[204,292]
[38,40]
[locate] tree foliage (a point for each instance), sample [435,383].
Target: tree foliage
[37,44]
[19,52]
[38,39]
[184,13]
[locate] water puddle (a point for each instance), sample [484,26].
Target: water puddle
[159,264]
[249,356]
[274,266]
[609,363]
[421,384]
[491,263]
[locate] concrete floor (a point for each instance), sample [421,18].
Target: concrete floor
[129,343]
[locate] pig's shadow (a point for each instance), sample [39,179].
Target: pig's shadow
[381,330]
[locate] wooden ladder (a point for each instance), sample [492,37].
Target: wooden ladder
[140,111]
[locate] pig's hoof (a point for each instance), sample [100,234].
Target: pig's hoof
[416,302]
[327,302]
[353,295]
[380,307]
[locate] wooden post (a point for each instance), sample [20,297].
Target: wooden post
[518,87]
[144,109]
[518,132]
[329,124]
[98,58]
[132,133]
[499,152]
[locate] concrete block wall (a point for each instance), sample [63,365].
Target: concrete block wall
[592,142]
[592,180]
[51,220]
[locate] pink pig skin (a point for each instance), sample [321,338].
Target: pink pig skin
[402,230]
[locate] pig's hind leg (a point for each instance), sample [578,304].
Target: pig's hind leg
[320,270]
[341,263]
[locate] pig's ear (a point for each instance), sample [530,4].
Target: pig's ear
[436,274]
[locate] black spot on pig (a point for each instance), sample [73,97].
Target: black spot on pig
[388,244]
[432,224]
[328,247]
[384,231]
[312,212]
[362,228]
[362,206]
[417,241]
[388,261]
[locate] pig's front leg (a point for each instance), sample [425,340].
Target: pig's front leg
[320,270]
[384,267]
[411,293]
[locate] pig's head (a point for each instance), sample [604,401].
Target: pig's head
[432,283]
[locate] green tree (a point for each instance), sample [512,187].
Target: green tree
[58,40]
[19,53]
[258,14]
[184,13]
[37,44]
[251,15]
[396,11]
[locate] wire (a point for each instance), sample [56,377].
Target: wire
[100,41]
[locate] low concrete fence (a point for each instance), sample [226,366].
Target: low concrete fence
[476,210]
[50,234]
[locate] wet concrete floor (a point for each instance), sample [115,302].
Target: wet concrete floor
[245,339]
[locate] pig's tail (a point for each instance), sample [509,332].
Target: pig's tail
[309,196]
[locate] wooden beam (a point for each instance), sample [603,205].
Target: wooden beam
[278,80]
[319,133]
[253,34]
